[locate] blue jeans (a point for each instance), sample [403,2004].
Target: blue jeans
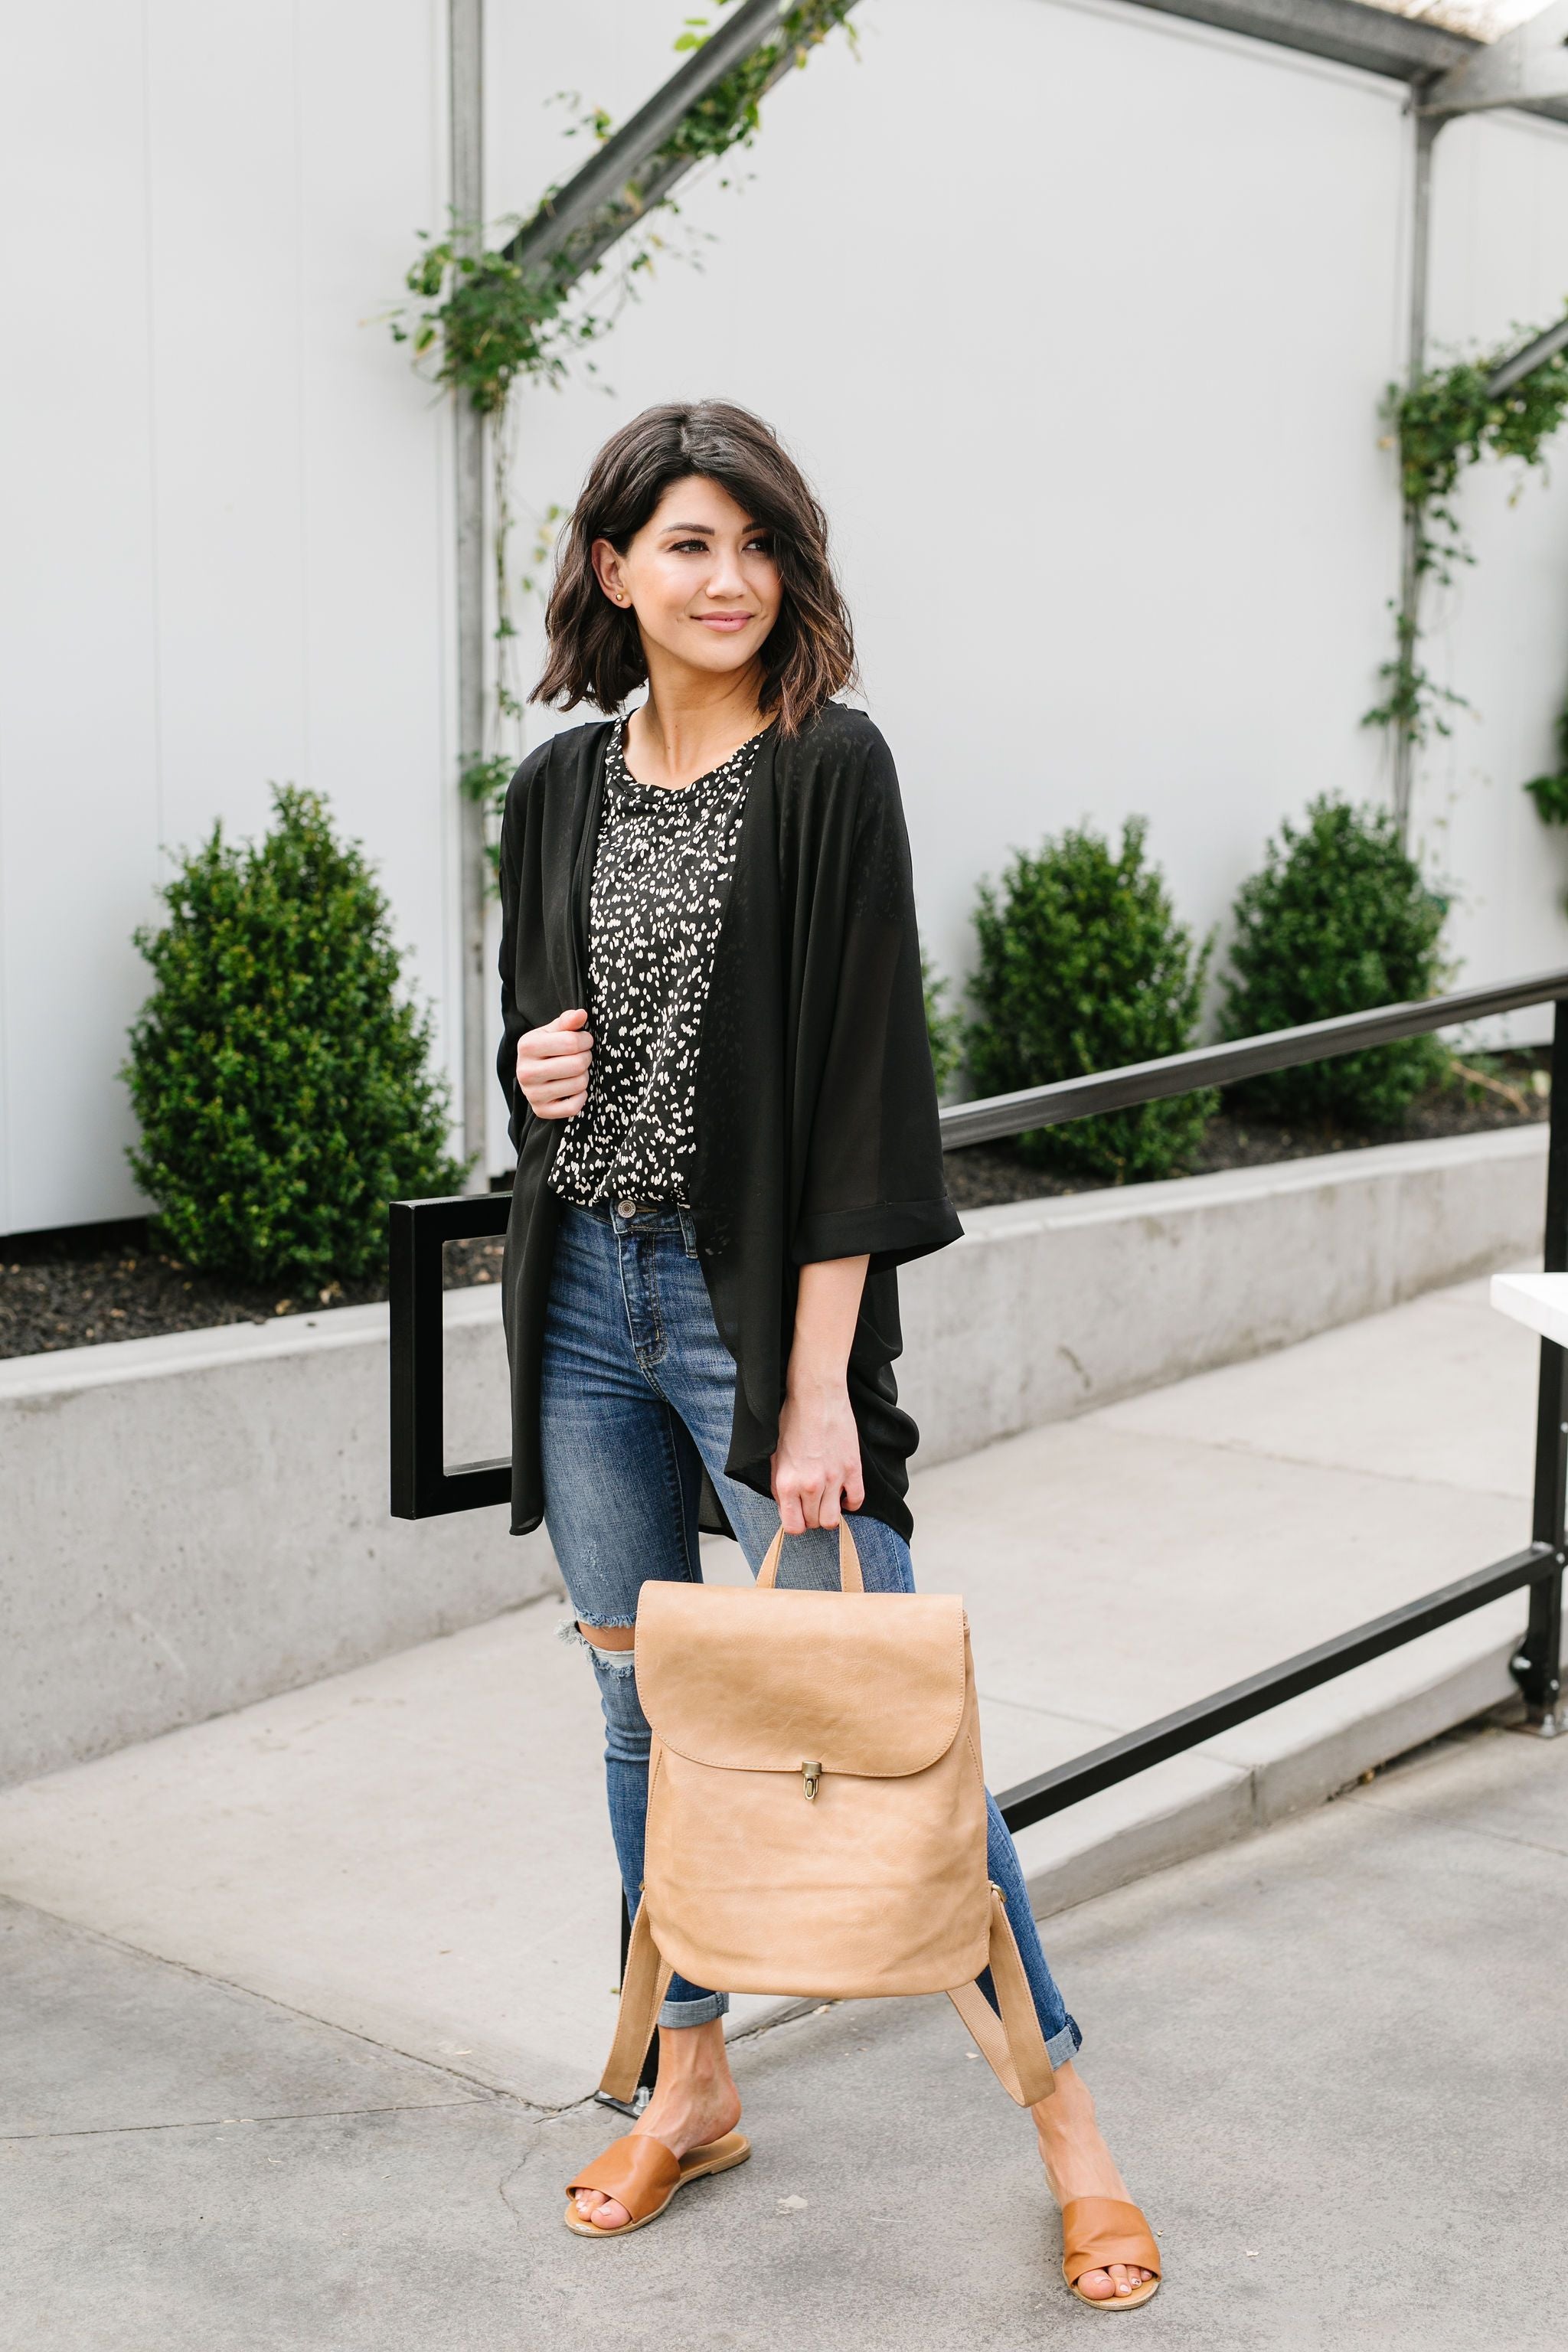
[638,1393]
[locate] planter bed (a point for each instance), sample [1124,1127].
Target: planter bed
[81,1287]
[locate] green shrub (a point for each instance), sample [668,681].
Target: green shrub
[944,1030]
[1083,966]
[1337,920]
[280,1082]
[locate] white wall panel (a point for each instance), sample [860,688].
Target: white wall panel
[376,463]
[227,562]
[79,717]
[1499,245]
[1079,317]
[225,236]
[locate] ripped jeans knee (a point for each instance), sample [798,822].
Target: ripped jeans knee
[627,1731]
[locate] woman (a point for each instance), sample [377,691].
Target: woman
[720,1091]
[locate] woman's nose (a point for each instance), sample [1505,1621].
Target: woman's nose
[726,582]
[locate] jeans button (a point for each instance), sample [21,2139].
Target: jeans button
[627,1207]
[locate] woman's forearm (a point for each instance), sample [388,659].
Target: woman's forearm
[816,1466]
[827,1305]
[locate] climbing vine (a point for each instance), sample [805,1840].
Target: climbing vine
[1441,425]
[480,322]
[1550,793]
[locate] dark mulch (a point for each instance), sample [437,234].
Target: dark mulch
[71,1288]
[90,1283]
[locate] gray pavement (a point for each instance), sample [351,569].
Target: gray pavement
[1333,2059]
[417,1850]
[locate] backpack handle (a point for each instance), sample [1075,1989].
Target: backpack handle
[849,1576]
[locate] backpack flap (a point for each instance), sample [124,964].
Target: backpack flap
[869,1684]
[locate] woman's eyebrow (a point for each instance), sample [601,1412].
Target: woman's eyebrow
[706,529]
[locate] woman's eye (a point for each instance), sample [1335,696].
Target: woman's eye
[760,545]
[690,546]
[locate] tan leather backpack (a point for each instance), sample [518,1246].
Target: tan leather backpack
[817,1810]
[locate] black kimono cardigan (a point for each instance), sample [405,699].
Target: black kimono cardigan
[815,1109]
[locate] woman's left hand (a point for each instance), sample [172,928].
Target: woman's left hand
[816,1465]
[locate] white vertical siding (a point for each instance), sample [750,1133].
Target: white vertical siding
[226,556]
[1079,316]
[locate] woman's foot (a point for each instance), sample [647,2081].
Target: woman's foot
[1079,2163]
[694,2101]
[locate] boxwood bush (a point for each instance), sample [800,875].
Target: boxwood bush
[1338,919]
[280,1077]
[1084,966]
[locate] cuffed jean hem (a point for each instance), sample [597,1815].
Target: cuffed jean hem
[701,2012]
[1060,2049]
[1063,2047]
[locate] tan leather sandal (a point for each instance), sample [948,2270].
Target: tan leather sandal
[640,2173]
[1099,2231]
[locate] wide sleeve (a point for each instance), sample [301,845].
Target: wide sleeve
[872,1181]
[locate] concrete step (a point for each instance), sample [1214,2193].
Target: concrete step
[417,1851]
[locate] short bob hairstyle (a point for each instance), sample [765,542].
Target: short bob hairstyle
[596,653]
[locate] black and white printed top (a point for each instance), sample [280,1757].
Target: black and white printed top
[661,872]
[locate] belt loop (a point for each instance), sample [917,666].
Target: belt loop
[689,1232]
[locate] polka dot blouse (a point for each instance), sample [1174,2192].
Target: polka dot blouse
[661,872]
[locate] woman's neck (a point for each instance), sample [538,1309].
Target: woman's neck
[687,725]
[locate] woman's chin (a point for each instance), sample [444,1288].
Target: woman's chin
[718,654]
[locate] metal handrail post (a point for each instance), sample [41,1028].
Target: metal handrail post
[1536,1665]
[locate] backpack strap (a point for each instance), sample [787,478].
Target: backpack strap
[645,1980]
[1012,2044]
[849,1576]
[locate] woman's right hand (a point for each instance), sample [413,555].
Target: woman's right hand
[553,1066]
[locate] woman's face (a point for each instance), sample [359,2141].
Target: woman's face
[700,576]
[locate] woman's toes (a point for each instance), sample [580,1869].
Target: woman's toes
[602,2210]
[1097,2286]
[1121,2278]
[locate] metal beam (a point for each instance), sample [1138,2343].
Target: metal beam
[467,48]
[1529,63]
[1425,130]
[1402,48]
[1527,358]
[613,190]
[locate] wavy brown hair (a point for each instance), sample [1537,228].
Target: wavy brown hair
[596,653]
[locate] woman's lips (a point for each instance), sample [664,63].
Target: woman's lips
[724,622]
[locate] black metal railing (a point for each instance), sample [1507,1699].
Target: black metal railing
[423,1485]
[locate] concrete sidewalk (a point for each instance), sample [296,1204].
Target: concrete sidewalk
[1333,2061]
[416,1851]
